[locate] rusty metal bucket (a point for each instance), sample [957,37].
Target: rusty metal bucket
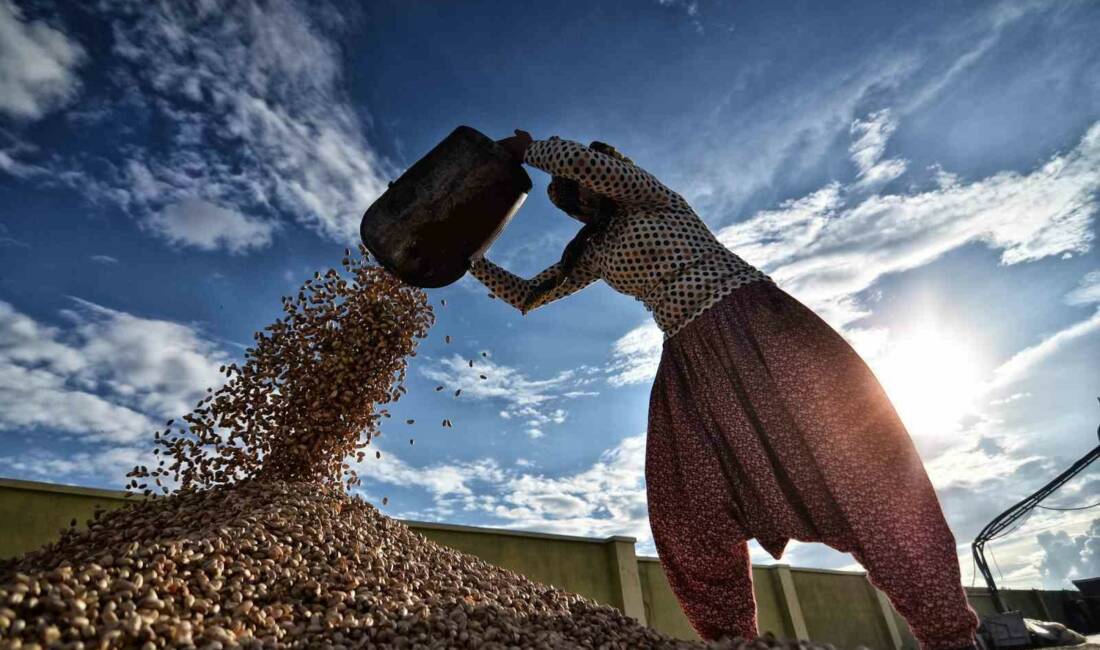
[446,207]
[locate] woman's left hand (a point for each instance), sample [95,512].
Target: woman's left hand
[517,144]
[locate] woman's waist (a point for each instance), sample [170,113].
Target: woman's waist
[675,315]
[698,281]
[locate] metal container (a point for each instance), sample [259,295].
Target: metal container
[447,207]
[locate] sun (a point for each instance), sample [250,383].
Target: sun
[932,377]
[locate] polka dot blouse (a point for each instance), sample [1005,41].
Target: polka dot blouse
[656,250]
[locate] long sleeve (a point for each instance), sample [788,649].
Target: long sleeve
[514,290]
[599,172]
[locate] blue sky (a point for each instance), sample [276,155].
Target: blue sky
[924,175]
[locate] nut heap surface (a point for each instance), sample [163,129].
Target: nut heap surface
[259,545]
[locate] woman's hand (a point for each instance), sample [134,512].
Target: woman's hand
[517,144]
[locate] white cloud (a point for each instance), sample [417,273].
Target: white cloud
[636,355]
[38,399]
[442,480]
[534,402]
[869,138]
[944,179]
[6,240]
[37,66]
[1017,367]
[1065,557]
[108,465]
[831,251]
[1008,400]
[608,498]
[869,143]
[206,226]
[689,6]
[791,130]
[791,127]
[108,376]
[973,467]
[1087,292]
[11,153]
[259,122]
[1047,550]
[103,259]
[776,236]
[990,27]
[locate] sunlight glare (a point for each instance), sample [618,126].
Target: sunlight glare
[932,379]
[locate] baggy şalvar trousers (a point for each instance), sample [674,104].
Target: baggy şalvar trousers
[764,423]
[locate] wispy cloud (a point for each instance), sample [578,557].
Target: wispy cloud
[978,37]
[690,9]
[607,498]
[207,226]
[6,240]
[259,126]
[108,375]
[787,129]
[1018,366]
[443,481]
[636,355]
[103,259]
[827,258]
[1087,292]
[869,137]
[976,465]
[791,129]
[107,465]
[12,151]
[37,66]
[535,403]
[1065,557]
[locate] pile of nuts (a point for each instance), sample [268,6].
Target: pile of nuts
[258,543]
[268,563]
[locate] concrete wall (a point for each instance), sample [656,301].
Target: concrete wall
[837,607]
[663,611]
[32,514]
[823,593]
[592,567]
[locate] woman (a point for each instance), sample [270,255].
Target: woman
[763,422]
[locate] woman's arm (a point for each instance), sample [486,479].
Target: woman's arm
[514,290]
[599,172]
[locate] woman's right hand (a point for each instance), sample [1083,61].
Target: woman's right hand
[517,144]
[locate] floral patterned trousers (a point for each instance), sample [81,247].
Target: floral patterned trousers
[764,423]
